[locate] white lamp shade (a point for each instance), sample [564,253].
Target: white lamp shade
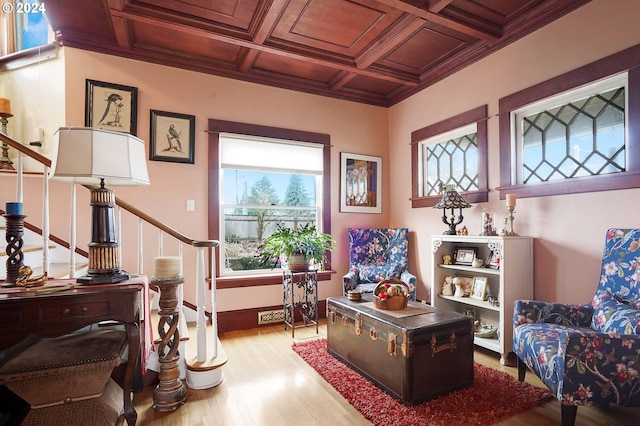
[84,155]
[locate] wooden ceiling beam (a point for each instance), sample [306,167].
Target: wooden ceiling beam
[404,28]
[266,20]
[120,27]
[416,8]
[436,6]
[168,25]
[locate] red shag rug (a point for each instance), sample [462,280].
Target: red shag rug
[495,395]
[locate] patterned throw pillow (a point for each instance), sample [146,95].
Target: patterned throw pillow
[610,315]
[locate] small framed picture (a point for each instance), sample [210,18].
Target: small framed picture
[111,107]
[479,290]
[465,255]
[172,137]
[493,261]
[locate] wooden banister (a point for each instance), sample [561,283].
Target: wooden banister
[25,150]
[168,230]
[199,245]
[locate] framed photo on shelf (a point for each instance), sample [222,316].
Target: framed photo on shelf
[493,261]
[360,183]
[479,289]
[464,255]
[172,137]
[111,106]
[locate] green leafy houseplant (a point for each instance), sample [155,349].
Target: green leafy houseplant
[304,241]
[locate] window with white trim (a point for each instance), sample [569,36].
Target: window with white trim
[265,182]
[576,134]
[451,152]
[582,132]
[23,25]
[447,159]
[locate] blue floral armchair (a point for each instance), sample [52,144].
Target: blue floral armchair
[588,354]
[376,255]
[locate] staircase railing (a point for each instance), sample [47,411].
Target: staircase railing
[200,246]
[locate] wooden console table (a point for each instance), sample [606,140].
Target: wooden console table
[25,313]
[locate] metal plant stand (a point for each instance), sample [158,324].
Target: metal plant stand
[306,304]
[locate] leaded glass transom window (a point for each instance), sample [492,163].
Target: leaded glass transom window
[578,138]
[450,159]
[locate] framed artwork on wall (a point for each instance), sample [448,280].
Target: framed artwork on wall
[111,106]
[360,183]
[172,137]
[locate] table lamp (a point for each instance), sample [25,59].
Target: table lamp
[89,156]
[451,199]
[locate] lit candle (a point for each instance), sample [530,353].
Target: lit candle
[5,107]
[511,200]
[14,207]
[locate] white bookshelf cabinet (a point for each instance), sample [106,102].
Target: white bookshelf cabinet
[513,280]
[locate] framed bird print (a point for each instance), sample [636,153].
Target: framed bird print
[172,137]
[111,107]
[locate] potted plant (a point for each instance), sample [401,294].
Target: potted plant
[296,248]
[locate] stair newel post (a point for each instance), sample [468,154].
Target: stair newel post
[214,311]
[201,321]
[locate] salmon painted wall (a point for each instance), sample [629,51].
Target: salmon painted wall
[568,230]
[353,128]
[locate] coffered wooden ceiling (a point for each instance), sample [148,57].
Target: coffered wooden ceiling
[371,51]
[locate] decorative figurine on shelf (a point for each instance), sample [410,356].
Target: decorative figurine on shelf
[459,284]
[487,222]
[477,262]
[505,229]
[463,231]
[447,287]
[446,259]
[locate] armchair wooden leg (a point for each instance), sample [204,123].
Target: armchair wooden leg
[522,369]
[568,414]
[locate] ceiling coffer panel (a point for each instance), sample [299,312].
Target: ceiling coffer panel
[371,51]
[232,13]
[183,45]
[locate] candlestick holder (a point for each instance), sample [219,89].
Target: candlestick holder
[5,161]
[15,259]
[510,232]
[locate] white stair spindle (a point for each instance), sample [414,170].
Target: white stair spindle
[72,234]
[45,221]
[160,243]
[19,186]
[140,248]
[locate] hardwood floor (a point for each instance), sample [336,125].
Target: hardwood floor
[266,383]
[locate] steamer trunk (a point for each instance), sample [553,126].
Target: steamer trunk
[414,358]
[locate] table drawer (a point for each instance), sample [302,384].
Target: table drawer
[72,310]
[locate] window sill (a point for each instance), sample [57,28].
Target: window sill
[260,280]
[28,57]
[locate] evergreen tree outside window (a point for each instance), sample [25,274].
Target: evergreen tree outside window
[264,183]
